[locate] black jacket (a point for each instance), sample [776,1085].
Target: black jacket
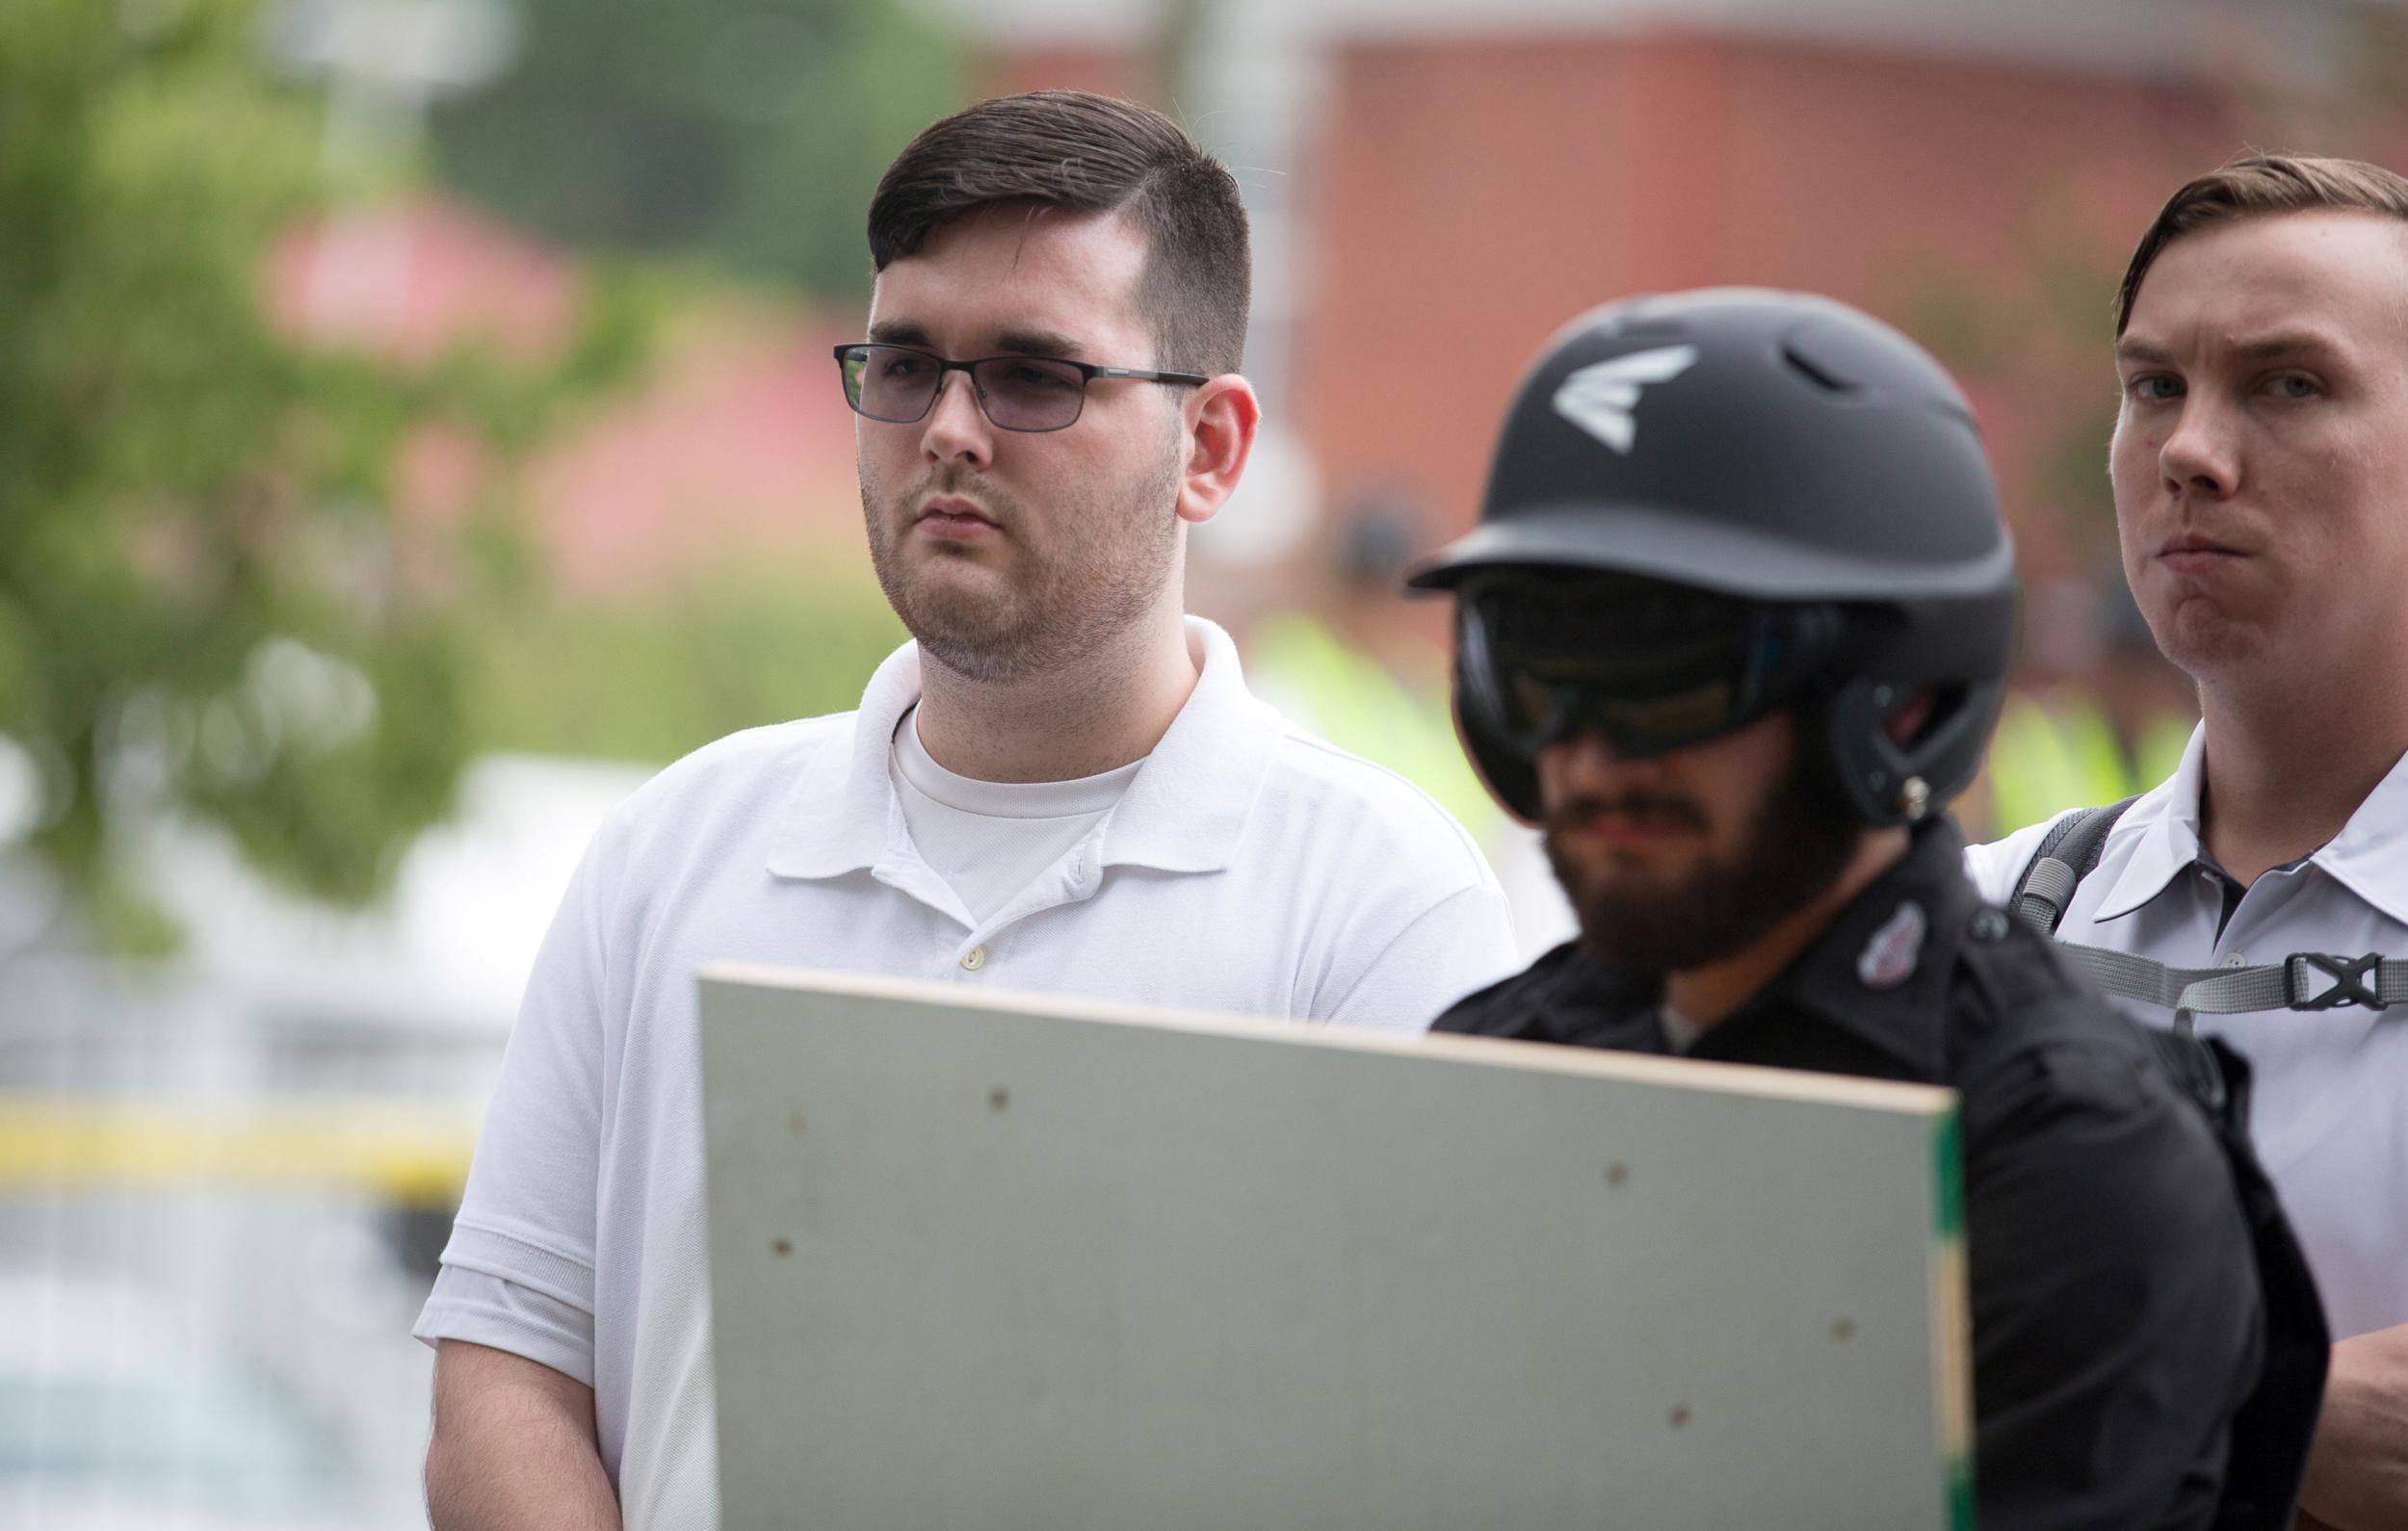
[2118,1323]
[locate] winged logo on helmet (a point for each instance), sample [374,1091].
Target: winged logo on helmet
[1599,398]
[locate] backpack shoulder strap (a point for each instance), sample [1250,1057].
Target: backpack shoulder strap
[2068,853]
[2271,1431]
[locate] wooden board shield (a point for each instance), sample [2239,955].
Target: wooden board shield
[1007,1262]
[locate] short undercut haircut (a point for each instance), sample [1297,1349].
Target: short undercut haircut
[2257,185]
[1090,154]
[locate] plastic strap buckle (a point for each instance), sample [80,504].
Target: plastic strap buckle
[2348,976]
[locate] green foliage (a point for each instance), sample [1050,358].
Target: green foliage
[2046,335]
[204,604]
[650,682]
[750,131]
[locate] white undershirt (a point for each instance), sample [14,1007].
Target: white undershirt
[1678,1029]
[989,840]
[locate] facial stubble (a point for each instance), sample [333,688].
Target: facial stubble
[1053,595]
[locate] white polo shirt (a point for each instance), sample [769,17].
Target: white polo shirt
[2330,1111]
[1246,867]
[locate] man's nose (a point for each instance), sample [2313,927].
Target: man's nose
[2201,457]
[1587,765]
[957,430]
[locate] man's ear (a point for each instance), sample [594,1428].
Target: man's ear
[1219,419]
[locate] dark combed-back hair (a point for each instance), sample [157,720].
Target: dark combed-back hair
[2257,184]
[1090,154]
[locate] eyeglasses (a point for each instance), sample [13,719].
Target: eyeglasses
[899,384]
[1652,667]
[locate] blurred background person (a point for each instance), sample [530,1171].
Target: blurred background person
[1342,665]
[2096,714]
[1343,658]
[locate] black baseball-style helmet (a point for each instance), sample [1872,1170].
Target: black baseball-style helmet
[1708,505]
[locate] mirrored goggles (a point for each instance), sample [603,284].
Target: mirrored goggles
[1652,667]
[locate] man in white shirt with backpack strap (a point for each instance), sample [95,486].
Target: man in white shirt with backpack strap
[2260,896]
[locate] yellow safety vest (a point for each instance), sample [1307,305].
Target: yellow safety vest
[2048,758]
[1350,699]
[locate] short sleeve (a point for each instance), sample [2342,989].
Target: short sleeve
[1461,944]
[1995,868]
[488,1310]
[518,1271]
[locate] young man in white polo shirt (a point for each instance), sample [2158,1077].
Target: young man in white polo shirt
[1062,785]
[2261,472]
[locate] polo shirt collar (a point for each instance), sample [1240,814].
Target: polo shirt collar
[1184,811]
[2370,856]
[2162,829]
[1187,807]
[835,826]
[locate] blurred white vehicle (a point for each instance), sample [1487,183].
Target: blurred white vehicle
[265,1132]
[116,1413]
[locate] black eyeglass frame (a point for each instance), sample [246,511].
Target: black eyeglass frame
[1087,372]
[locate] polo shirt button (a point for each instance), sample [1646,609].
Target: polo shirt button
[974,958]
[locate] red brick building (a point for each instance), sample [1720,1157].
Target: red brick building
[1446,184]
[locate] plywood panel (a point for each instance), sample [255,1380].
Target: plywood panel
[1045,1263]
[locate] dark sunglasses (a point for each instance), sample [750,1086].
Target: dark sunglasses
[899,384]
[1652,667]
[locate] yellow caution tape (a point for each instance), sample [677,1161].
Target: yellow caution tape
[414,1155]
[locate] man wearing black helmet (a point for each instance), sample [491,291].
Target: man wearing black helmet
[1732,630]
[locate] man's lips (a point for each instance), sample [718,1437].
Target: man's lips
[1618,827]
[950,516]
[2190,554]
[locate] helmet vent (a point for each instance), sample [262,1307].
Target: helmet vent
[1815,374]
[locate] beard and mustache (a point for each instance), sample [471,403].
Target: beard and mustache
[1063,586]
[1801,838]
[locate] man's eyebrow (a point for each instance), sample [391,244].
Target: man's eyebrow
[1037,343]
[2273,345]
[898,332]
[2281,343]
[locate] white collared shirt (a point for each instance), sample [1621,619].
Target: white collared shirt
[1246,867]
[2330,1111]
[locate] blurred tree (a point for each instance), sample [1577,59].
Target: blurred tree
[750,131]
[2043,337]
[645,681]
[204,605]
